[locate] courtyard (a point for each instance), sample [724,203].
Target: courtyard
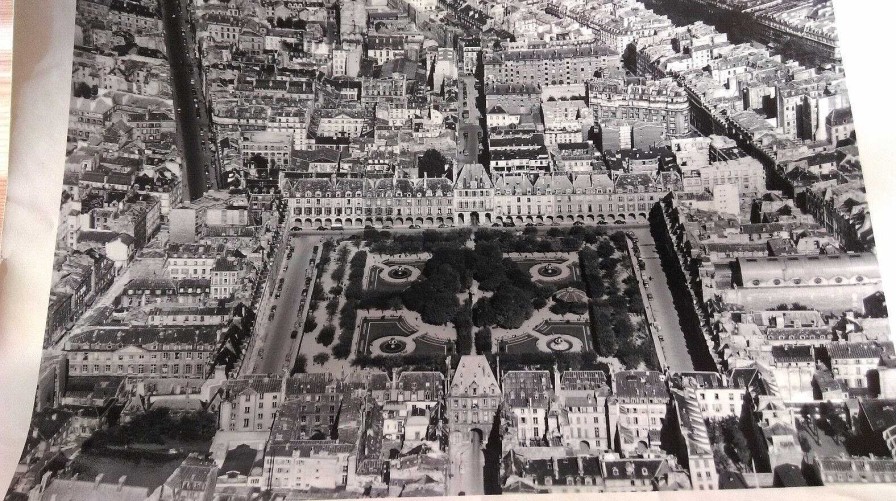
[475,293]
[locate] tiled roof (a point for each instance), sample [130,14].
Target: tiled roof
[863,349]
[881,414]
[582,380]
[303,384]
[632,469]
[639,384]
[792,354]
[111,339]
[527,389]
[473,370]
[420,380]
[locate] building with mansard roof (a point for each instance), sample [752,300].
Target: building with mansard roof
[527,397]
[474,398]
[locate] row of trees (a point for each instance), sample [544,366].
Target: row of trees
[348,315]
[412,361]
[614,333]
[555,240]
[571,361]
[483,340]
[326,251]
[463,324]
[341,260]
[410,243]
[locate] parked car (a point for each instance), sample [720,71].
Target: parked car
[578,223]
[414,226]
[277,295]
[443,225]
[294,334]
[271,316]
[307,281]
[321,228]
[649,296]
[304,292]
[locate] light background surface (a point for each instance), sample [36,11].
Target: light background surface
[42,61]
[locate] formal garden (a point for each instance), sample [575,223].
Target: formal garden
[563,296]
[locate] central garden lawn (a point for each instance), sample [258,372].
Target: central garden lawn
[579,330]
[376,328]
[376,284]
[524,343]
[430,345]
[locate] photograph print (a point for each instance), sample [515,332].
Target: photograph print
[397,248]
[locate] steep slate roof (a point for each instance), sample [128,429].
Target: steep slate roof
[473,371]
[527,389]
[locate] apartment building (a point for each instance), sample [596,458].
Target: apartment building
[527,395]
[250,403]
[548,63]
[653,101]
[582,410]
[637,409]
[274,147]
[144,351]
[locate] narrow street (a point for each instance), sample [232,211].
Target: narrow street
[465,473]
[192,122]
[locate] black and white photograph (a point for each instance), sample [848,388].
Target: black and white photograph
[339,249]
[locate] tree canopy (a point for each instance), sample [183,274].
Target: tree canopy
[432,163]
